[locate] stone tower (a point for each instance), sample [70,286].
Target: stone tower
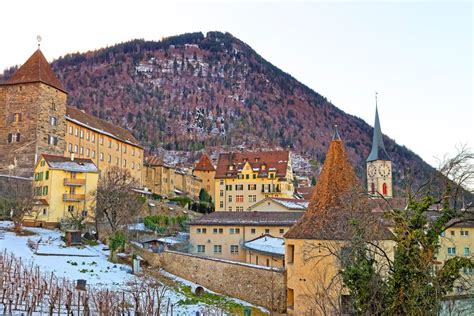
[379,166]
[205,171]
[32,111]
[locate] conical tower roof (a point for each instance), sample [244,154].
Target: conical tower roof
[36,69]
[378,151]
[335,183]
[204,164]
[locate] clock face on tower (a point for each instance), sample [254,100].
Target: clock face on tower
[384,170]
[372,171]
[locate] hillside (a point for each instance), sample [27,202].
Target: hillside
[190,92]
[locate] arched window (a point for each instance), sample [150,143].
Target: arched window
[373,188]
[384,188]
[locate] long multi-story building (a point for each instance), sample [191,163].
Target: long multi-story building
[244,178]
[35,119]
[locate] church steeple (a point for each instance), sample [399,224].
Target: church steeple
[378,151]
[379,166]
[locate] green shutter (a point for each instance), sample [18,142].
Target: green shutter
[45,190]
[46,176]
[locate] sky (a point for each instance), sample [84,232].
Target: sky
[418,56]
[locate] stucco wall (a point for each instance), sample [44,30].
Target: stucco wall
[258,285]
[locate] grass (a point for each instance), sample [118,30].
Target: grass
[208,299]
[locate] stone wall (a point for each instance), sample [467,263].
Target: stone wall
[261,286]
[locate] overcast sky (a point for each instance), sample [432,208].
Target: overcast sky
[418,56]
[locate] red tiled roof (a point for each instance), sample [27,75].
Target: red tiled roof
[153,161]
[248,218]
[305,192]
[204,164]
[57,158]
[273,160]
[101,126]
[36,69]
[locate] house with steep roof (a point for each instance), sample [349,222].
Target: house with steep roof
[63,189]
[244,178]
[205,170]
[35,119]
[313,244]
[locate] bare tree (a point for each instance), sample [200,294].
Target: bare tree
[18,200]
[116,202]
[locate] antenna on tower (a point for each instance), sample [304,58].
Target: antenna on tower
[38,39]
[376,93]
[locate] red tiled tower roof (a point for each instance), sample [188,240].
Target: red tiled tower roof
[36,69]
[204,164]
[336,181]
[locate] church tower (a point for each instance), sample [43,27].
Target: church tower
[379,166]
[32,116]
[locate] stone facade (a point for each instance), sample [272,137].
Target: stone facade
[258,285]
[35,112]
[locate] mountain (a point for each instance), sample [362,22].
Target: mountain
[193,91]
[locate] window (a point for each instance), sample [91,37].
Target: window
[117,162]
[221,204]
[70,129]
[75,148]
[239,208]
[267,230]
[228,187]
[239,198]
[198,230]
[239,187]
[467,251]
[201,248]
[268,262]
[87,136]
[254,176]
[252,198]
[282,231]
[17,117]
[453,233]
[221,193]
[93,153]
[101,140]
[221,182]
[234,249]
[46,175]
[467,270]
[125,163]
[88,152]
[110,159]
[384,188]
[252,231]
[451,251]
[70,147]
[133,151]
[93,138]
[217,248]
[372,187]
[53,121]
[252,187]
[45,211]
[233,231]
[42,163]
[14,137]
[102,156]
[215,230]
[230,208]
[203,230]
[81,150]
[124,149]
[70,208]
[464,233]
[82,133]
[290,298]
[442,234]
[76,132]
[271,175]
[52,140]
[291,253]
[221,230]
[45,190]
[229,198]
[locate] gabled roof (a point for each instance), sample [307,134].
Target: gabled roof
[67,164]
[267,244]
[103,127]
[230,164]
[378,151]
[248,219]
[204,164]
[153,161]
[36,69]
[288,203]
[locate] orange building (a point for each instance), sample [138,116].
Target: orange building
[205,171]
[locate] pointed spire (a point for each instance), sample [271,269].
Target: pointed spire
[336,135]
[204,164]
[36,69]
[378,151]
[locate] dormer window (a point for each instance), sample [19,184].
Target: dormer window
[263,167]
[231,167]
[256,159]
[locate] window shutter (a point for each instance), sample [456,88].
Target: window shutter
[17,137]
[10,137]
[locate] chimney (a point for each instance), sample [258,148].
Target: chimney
[72,156]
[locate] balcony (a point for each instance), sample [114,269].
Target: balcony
[74,197]
[73,182]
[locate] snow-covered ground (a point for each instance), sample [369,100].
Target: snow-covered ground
[85,262]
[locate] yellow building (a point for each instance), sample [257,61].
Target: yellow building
[224,234]
[280,204]
[266,250]
[63,189]
[168,181]
[205,171]
[244,178]
[107,145]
